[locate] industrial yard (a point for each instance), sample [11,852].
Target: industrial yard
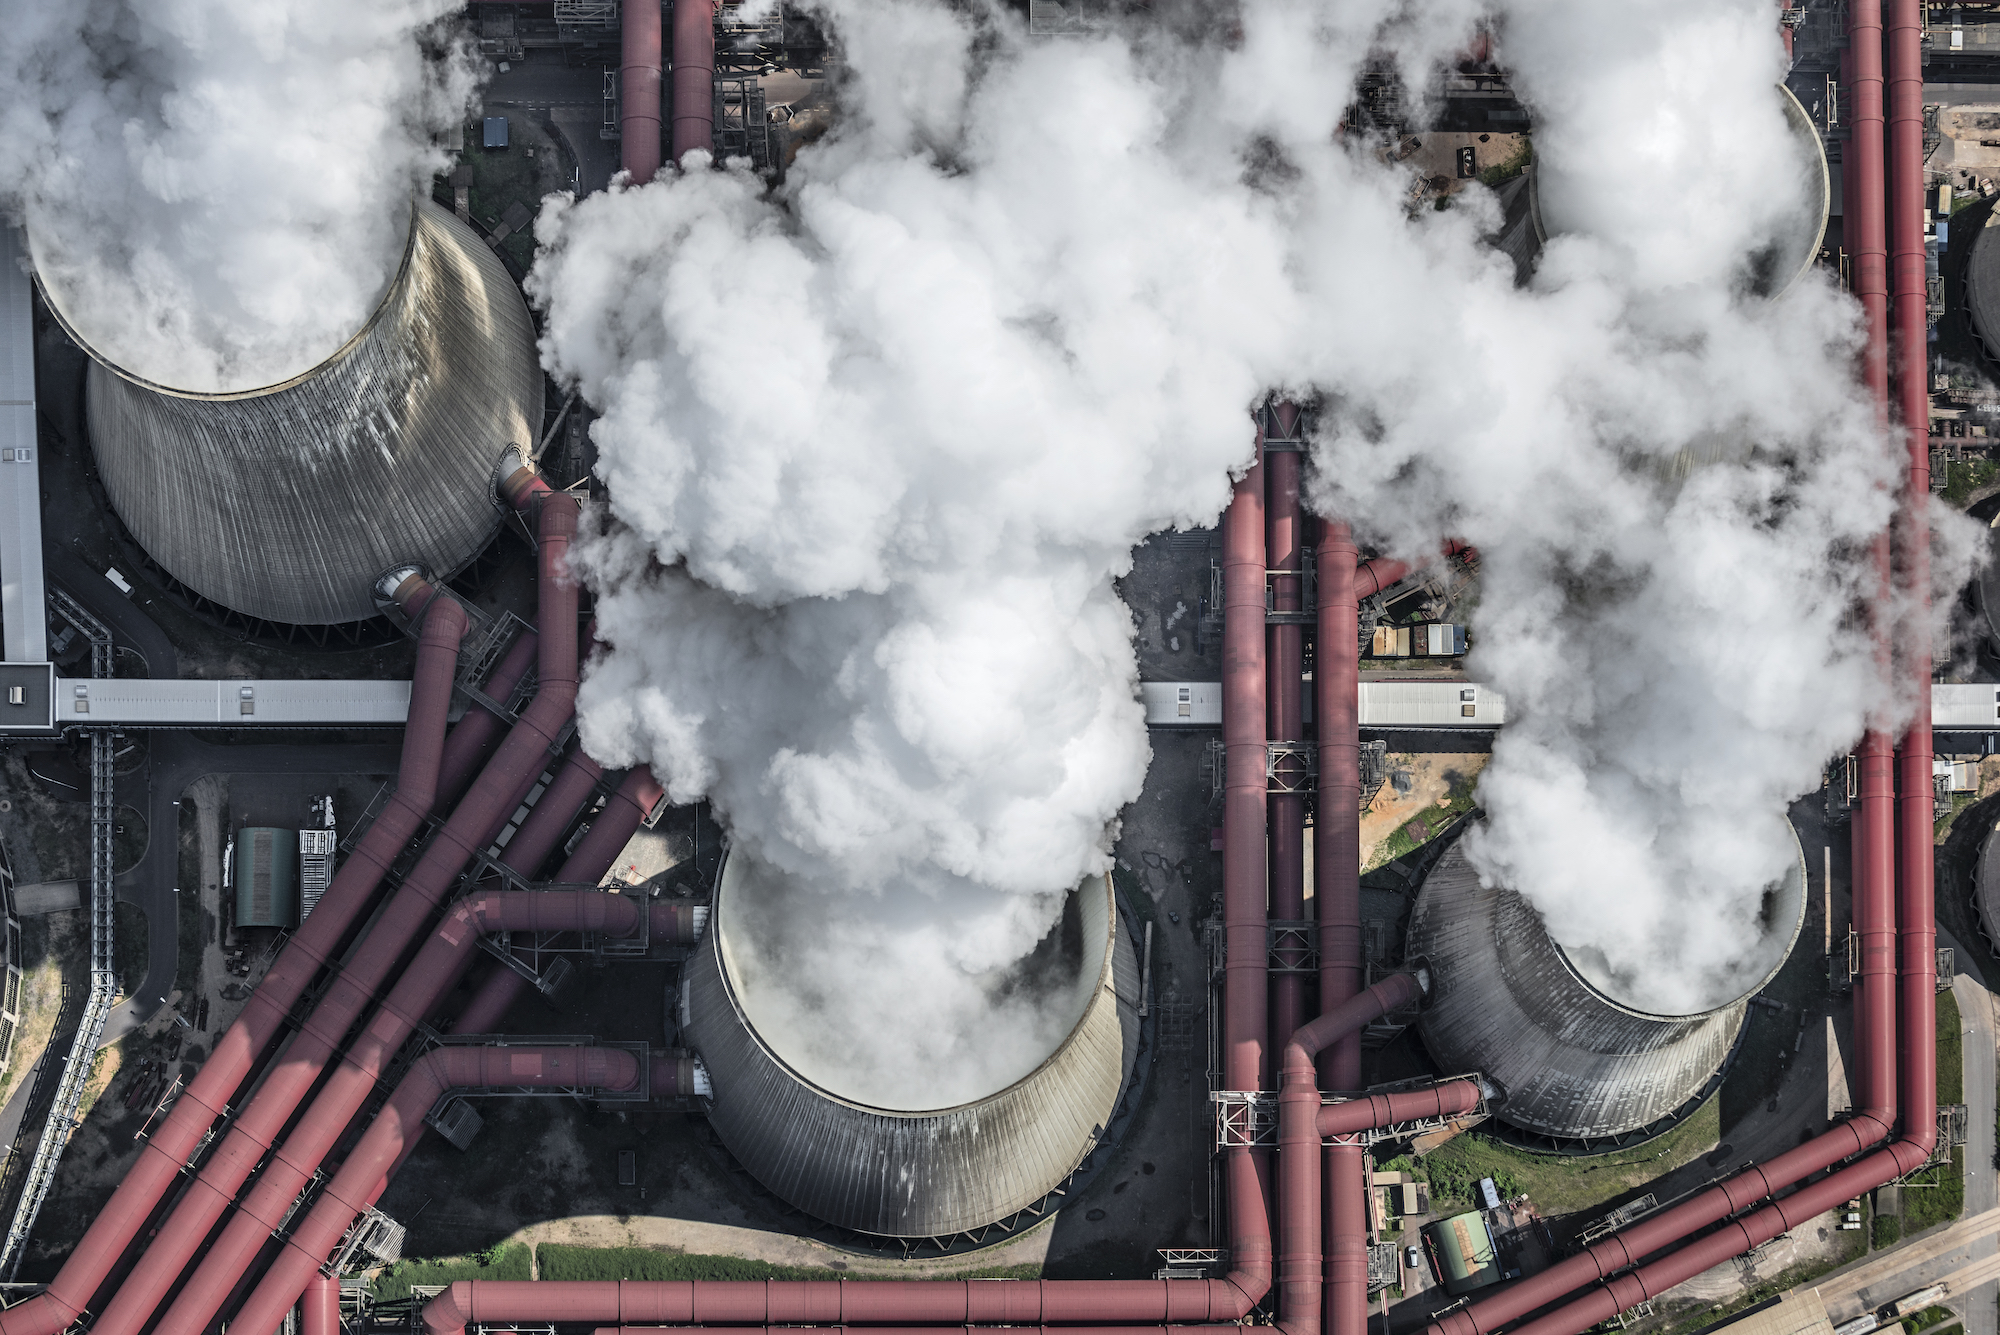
[905,666]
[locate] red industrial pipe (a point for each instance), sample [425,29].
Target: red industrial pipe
[466,749]
[471,827]
[402,1119]
[554,812]
[1862,218]
[1451,1099]
[319,1310]
[694,77]
[639,89]
[318,940]
[1284,693]
[1244,918]
[1916,832]
[1184,1304]
[623,813]
[1299,1277]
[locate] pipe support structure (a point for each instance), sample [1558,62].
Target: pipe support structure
[401,1120]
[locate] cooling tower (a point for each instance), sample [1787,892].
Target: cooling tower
[286,502]
[1982,286]
[1794,243]
[1578,1063]
[897,1172]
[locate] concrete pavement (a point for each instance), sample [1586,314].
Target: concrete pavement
[1980,1305]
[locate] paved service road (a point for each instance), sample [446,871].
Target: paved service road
[1979,1306]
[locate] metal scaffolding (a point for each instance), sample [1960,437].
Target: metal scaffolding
[77,1065]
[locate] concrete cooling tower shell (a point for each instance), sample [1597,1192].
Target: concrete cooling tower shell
[928,1174]
[1794,244]
[286,502]
[1982,285]
[1577,1066]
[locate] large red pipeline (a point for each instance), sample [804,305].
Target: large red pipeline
[432,974]
[1245,923]
[628,806]
[472,825]
[694,77]
[466,748]
[402,1119]
[1284,693]
[1916,819]
[639,89]
[1905,966]
[317,942]
[319,1311]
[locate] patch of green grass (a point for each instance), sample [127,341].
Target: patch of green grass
[1887,1231]
[1936,1195]
[1950,1050]
[1929,1317]
[1964,478]
[561,1261]
[1512,167]
[1557,1183]
[1959,802]
[509,1261]
[1435,820]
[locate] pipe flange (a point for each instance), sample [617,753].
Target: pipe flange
[390,584]
[512,471]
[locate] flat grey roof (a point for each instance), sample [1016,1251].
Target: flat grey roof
[23,612]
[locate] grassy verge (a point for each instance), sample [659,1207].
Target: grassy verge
[1886,1232]
[1562,1184]
[1962,479]
[1512,167]
[1937,1195]
[561,1261]
[1950,1050]
[1434,819]
[507,1261]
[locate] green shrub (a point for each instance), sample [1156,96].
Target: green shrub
[560,1261]
[500,1261]
[1888,1230]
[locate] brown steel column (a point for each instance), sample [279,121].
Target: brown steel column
[1284,543]
[694,77]
[639,89]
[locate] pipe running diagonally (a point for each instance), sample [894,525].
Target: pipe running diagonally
[498,791]
[627,808]
[317,943]
[434,1075]
[466,747]
[1185,1305]
[433,973]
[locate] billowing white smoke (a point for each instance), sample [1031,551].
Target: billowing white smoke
[217,191]
[877,447]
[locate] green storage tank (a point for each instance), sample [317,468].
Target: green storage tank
[267,877]
[1462,1248]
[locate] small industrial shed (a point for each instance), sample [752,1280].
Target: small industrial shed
[1462,1247]
[267,877]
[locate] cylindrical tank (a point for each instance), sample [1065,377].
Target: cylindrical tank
[1793,245]
[1577,1064]
[286,502]
[925,1173]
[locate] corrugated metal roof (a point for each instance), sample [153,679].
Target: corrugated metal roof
[286,502]
[137,702]
[1507,1002]
[914,1174]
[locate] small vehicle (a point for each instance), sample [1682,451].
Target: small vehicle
[1413,1257]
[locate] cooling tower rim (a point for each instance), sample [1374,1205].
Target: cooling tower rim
[713,943]
[1735,1003]
[375,316]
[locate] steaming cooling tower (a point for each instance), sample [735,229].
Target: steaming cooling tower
[894,1172]
[286,502]
[1794,243]
[1577,1062]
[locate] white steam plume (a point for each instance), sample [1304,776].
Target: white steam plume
[877,446]
[217,191]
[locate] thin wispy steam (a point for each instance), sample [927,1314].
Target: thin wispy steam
[878,444]
[217,191]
